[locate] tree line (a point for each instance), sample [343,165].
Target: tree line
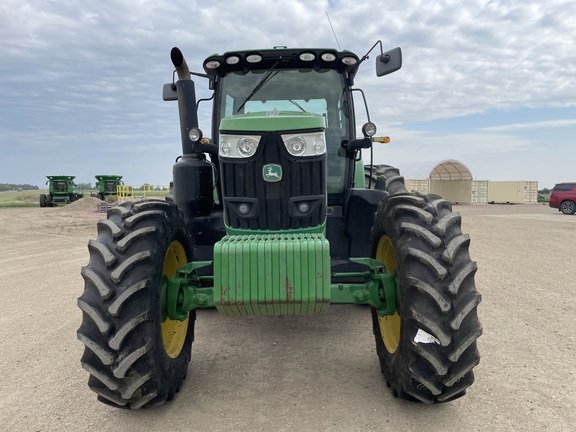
[11,187]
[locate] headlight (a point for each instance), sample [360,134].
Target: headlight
[369,129]
[238,146]
[247,147]
[310,144]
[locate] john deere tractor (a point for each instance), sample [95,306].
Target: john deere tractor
[61,190]
[107,185]
[273,217]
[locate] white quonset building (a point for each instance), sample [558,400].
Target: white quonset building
[453,181]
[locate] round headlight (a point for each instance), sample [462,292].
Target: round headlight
[303,207]
[224,148]
[369,129]
[319,146]
[246,147]
[243,208]
[296,146]
[195,134]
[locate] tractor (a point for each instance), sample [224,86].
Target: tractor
[107,185]
[273,217]
[61,190]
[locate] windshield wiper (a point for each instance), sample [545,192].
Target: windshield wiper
[297,104]
[269,75]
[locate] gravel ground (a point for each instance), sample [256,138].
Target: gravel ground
[296,374]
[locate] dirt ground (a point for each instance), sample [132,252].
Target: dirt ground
[296,374]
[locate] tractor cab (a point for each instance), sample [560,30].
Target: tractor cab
[284,145]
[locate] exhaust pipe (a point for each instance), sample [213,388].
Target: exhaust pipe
[180,64]
[192,175]
[187,109]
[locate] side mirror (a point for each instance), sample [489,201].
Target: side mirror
[169,92]
[389,62]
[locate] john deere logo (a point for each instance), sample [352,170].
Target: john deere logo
[272,173]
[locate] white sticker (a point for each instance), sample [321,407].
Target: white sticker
[424,337]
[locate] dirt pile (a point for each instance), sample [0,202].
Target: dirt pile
[83,205]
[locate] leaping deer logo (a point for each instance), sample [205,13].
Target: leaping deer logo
[272,173]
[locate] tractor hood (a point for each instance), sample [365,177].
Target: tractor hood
[267,121]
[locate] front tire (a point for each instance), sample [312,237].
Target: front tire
[135,357]
[427,349]
[42,200]
[568,207]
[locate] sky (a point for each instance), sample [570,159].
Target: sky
[491,84]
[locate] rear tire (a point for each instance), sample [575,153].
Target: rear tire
[568,207]
[135,357]
[427,349]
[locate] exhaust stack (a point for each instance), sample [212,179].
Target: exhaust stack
[180,64]
[186,92]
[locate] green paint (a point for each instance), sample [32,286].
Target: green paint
[275,275]
[253,275]
[359,176]
[108,184]
[272,121]
[61,190]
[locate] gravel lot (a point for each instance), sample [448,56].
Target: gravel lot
[296,374]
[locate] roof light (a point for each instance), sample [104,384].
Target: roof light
[212,64]
[307,56]
[349,61]
[329,57]
[254,58]
[232,60]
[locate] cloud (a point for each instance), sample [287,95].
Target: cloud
[86,77]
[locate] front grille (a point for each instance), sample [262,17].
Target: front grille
[273,205]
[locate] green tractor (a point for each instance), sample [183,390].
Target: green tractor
[273,217]
[107,185]
[61,190]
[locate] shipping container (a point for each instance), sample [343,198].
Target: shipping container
[513,192]
[479,191]
[455,191]
[418,185]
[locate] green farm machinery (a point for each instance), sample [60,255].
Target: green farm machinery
[107,185]
[61,190]
[273,217]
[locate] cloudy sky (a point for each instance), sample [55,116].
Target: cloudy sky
[489,83]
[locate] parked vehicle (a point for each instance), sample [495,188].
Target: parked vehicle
[273,217]
[107,185]
[563,197]
[61,190]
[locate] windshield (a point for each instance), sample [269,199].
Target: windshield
[302,90]
[60,186]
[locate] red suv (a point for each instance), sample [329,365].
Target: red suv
[563,197]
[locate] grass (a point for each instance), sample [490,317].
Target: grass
[21,199]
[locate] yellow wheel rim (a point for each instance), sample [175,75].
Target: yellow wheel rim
[174,331]
[389,325]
